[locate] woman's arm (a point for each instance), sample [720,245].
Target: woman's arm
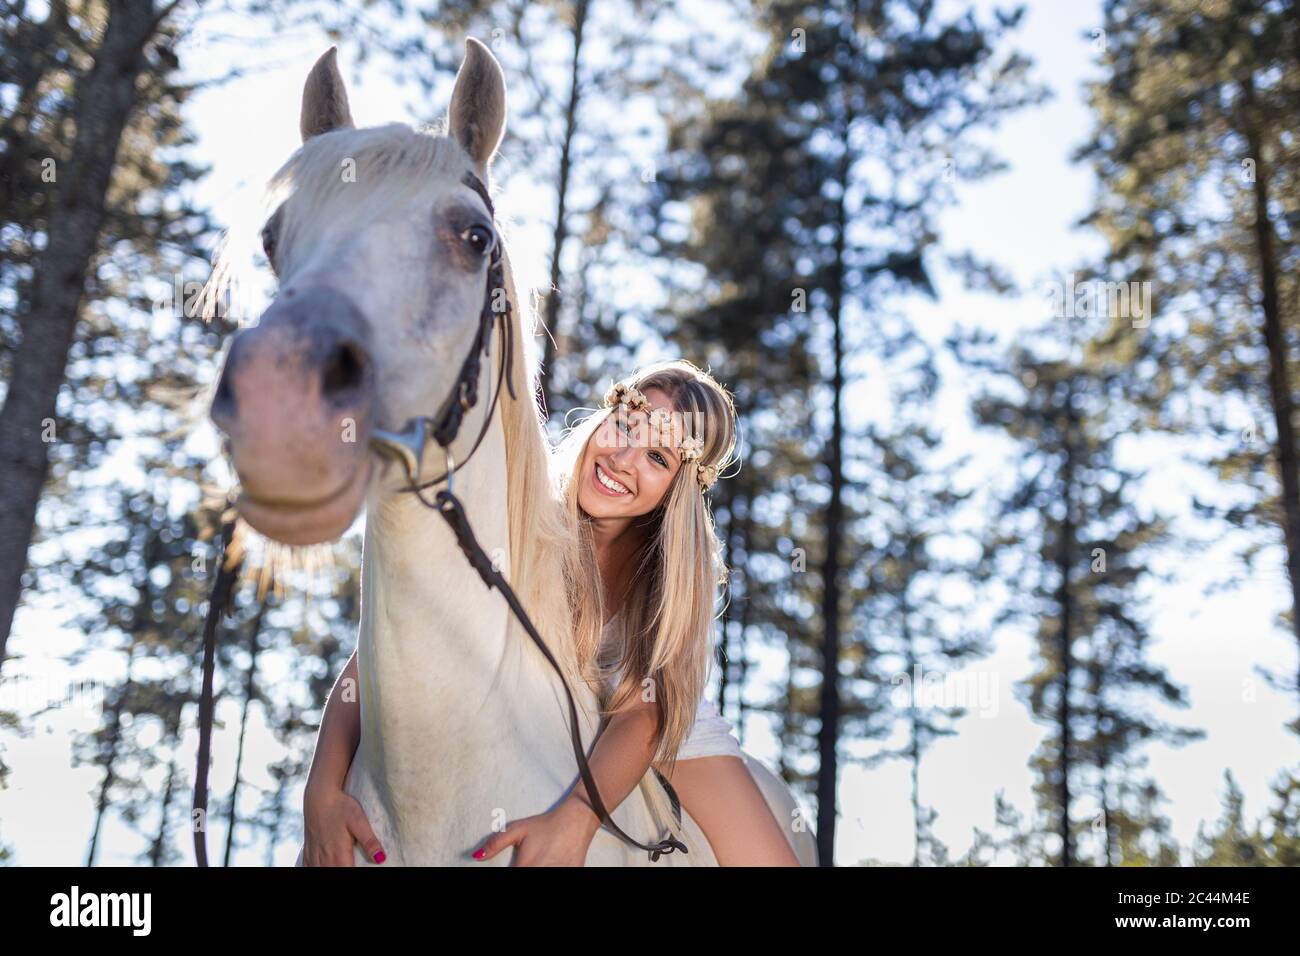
[332,819]
[619,759]
[340,732]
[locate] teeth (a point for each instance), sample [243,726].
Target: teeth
[610,483]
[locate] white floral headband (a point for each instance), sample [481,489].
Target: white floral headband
[690,447]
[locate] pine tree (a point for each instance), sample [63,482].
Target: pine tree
[86,143]
[1141,833]
[1283,831]
[813,238]
[1199,168]
[1073,548]
[1232,842]
[910,503]
[575,137]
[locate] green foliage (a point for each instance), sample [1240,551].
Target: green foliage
[1199,170]
[1074,551]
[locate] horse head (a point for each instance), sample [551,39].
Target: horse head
[384,246]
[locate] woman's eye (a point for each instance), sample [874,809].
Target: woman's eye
[478,238]
[661,459]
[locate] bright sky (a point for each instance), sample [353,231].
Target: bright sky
[1023,220]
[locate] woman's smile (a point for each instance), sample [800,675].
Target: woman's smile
[608,485]
[627,473]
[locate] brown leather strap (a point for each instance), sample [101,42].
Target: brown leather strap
[449,506]
[217,601]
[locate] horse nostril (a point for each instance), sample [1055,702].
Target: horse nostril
[345,369]
[223,401]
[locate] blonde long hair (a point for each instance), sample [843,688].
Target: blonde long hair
[666,624]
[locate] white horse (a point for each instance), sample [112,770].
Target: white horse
[382,246]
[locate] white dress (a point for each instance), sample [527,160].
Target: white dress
[711,734]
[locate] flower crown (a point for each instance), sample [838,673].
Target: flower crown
[690,447]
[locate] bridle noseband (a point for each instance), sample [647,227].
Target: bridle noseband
[407,447]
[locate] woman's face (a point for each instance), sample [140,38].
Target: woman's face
[640,471]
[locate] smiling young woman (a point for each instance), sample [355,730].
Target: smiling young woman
[635,478]
[634,475]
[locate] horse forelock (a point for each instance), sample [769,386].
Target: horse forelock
[341,178]
[347,177]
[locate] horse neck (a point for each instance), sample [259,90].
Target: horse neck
[428,623]
[459,710]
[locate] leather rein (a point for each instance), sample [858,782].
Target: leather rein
[407,447]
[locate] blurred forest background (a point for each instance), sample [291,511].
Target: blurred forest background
[759,187]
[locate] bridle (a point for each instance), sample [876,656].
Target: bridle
[407,448]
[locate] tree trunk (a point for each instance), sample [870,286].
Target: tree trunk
[1096,687]
[142,613]
[787,724]
[158,849]
[737,539]
[828,733]
[250,692]
[105,97]
[1279,384]
[114,738]
[914,726]
[561,231]
[273,826]
[1065,601]
[728,536]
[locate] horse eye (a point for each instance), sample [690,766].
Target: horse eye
[478,238]
[268,244]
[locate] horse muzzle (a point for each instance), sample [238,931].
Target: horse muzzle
[296,403]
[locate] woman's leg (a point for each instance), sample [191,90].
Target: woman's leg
[720,794]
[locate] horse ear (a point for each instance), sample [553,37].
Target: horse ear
[478,104]
[324,99]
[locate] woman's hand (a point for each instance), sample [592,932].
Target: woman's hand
[559,837]
[333,821]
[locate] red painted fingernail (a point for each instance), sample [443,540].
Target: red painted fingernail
[480,853]
[379,857]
